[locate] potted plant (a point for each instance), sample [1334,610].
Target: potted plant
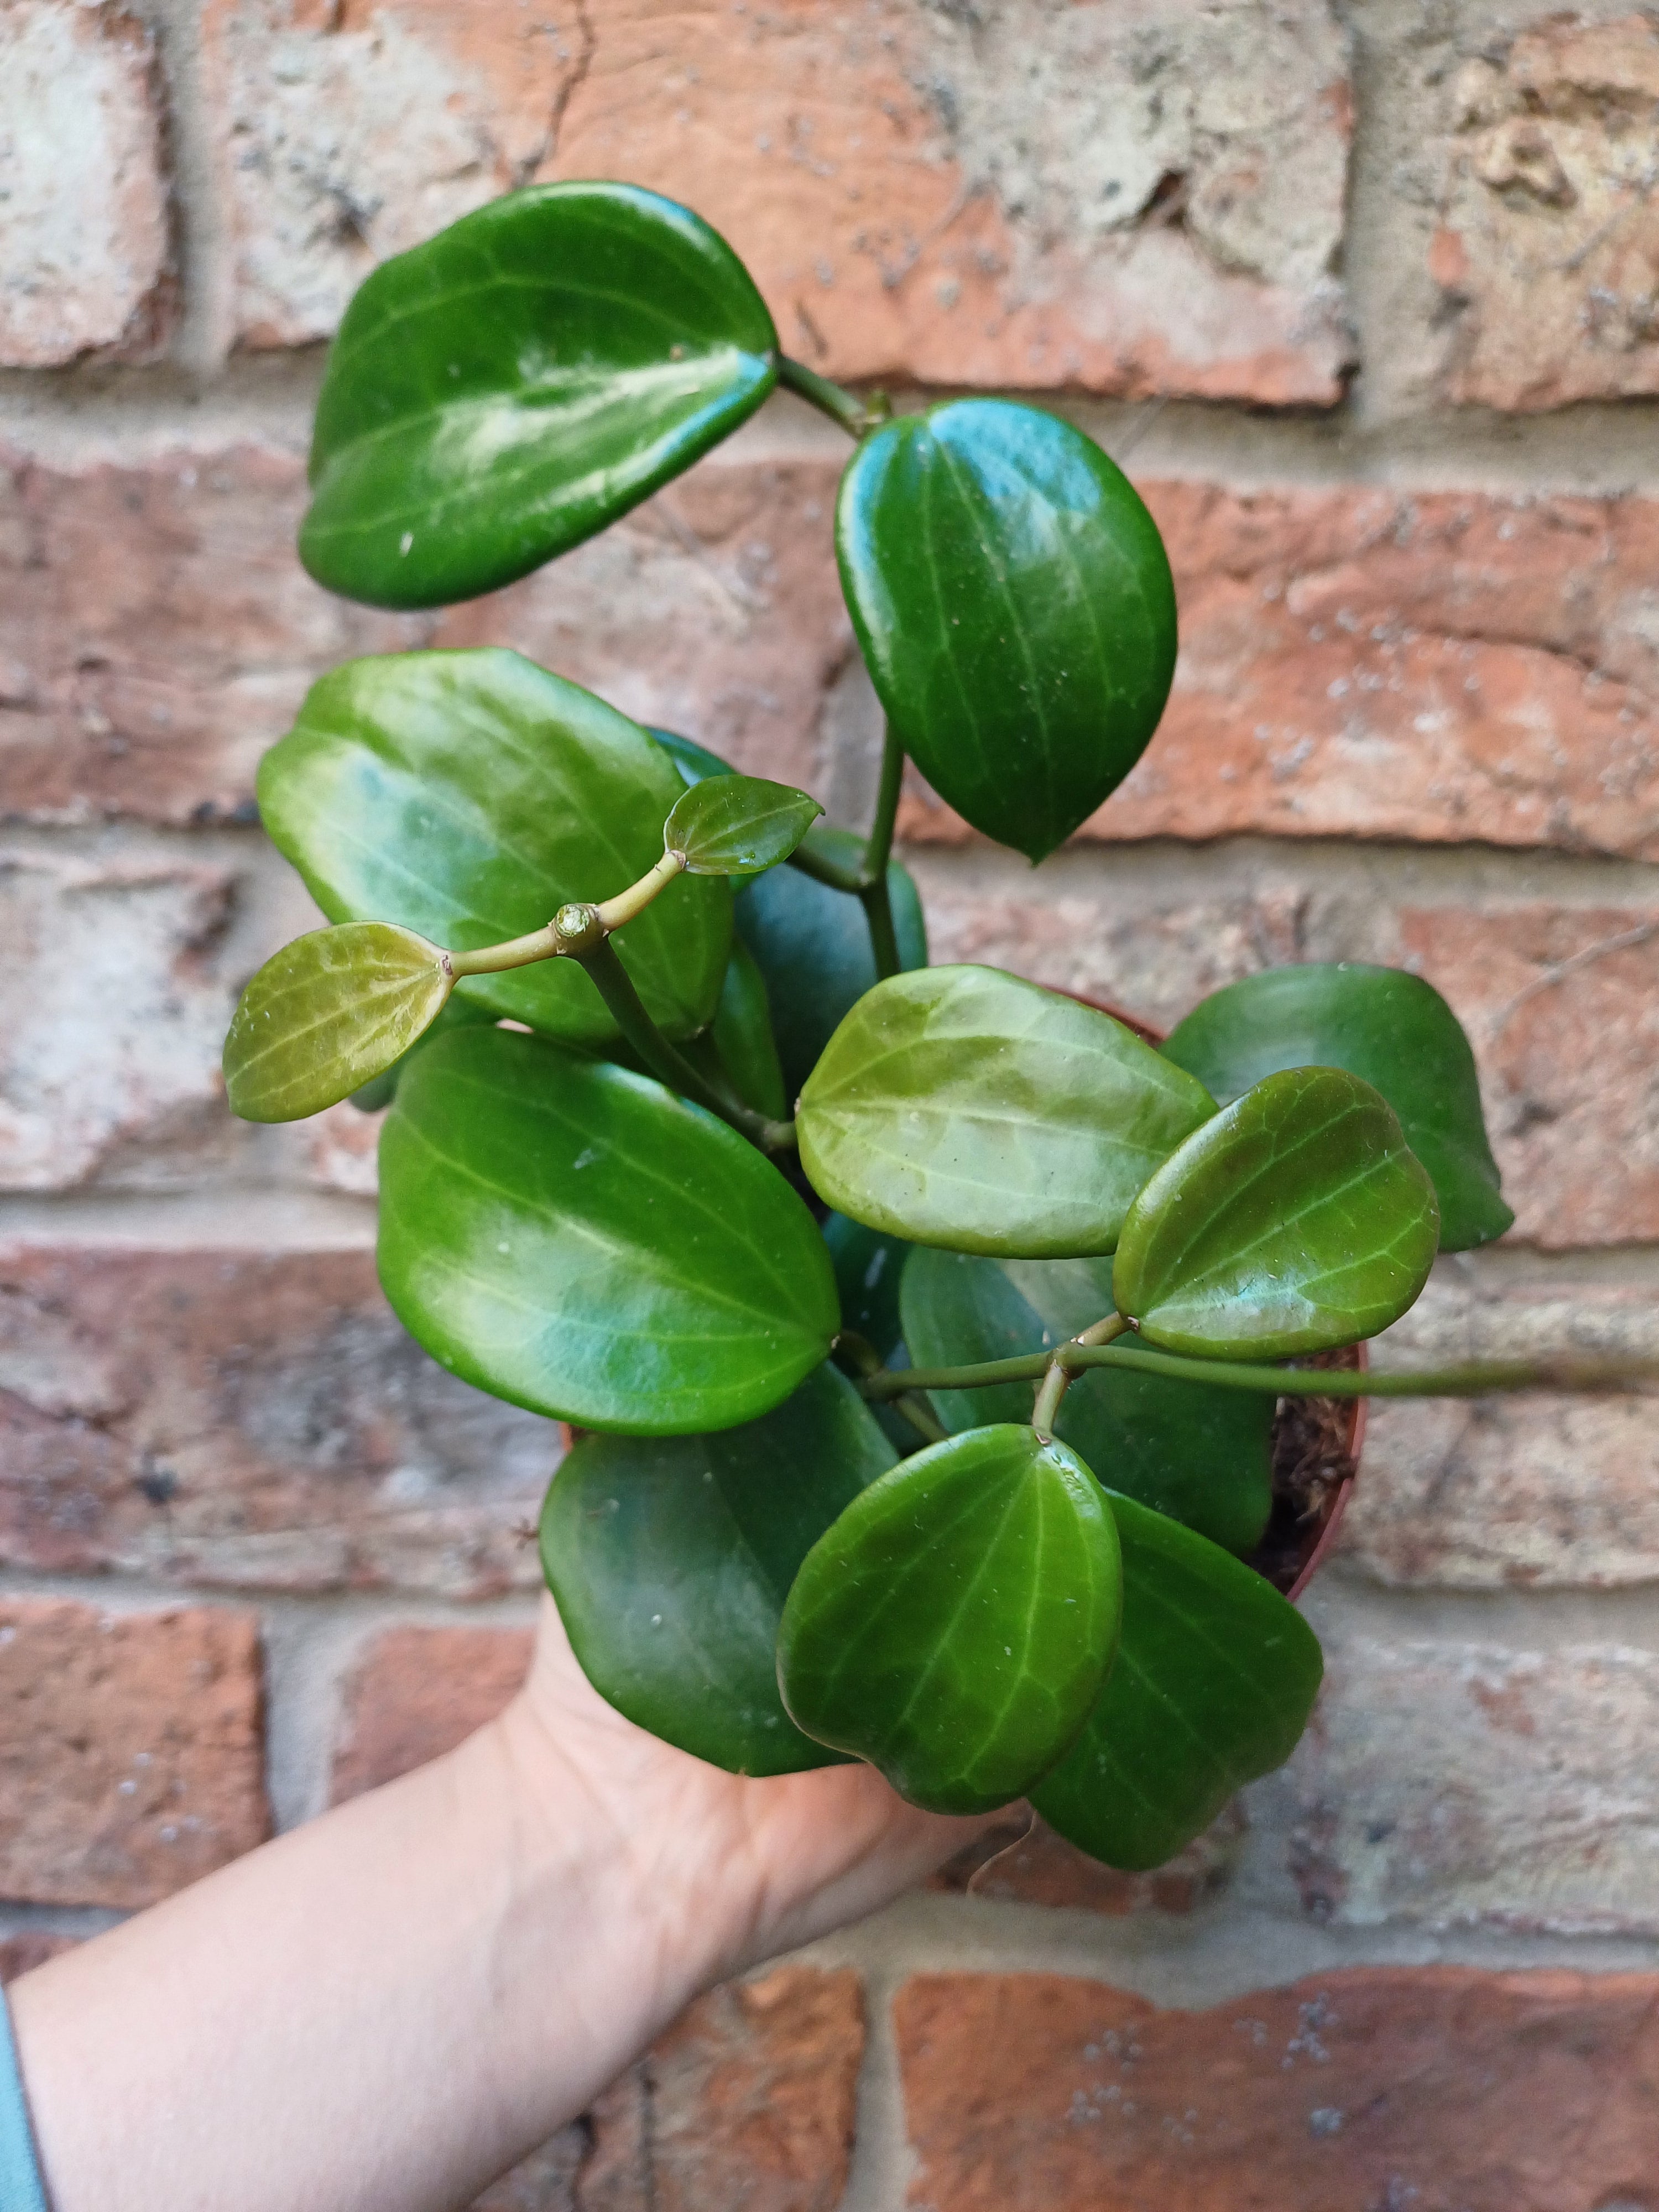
[925,1330]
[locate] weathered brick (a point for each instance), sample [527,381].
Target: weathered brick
[22,1955]
[1437,2088]
[749,2099]
[1546,257]
[248,1417]
[1040,196]
[85,253]
[131,1750]
[544,2182]
[1021,1858]
[1543,1490]
[1446,1783]
[416,1692]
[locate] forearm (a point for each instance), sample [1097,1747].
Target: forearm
[384,2009]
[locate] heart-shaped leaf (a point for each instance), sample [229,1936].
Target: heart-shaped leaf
[671,1558]
[1297,1220]
[521,380]
[1214,1678]
[469,795]
[955,1626]
[326,1014]
[1394,1031]
[963,1107]
[813,946]
[737,826]
[576,1239]
[1014,602]
[1201,1453]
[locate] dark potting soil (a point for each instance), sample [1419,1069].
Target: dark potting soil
[1310,1462]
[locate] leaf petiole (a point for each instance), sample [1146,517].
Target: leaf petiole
[1057,1376]
[854,415]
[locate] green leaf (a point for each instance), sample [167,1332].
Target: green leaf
[1014,602]
[457,1013]
[670,1559]
[517,382]
[469,795]
[1214,1680]
[963,1107]
[737,826]
[1297,1220]
[868,1269]
[1392,1029]
[576,1239]
[741,1037]
[1202,1455]
[955,1626]
[694,762]
[326,1014]
[813,947]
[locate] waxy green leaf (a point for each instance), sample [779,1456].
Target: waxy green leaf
[741,1037]
[457,1013]
[1392,1029]
[576,1239]
[962,1106]
[326,1014]
[502,392]
[869,1267]
[737,826]
[670,1559]
[469,795]
[955,1626]
[694,762]
[1014,602]
[1213,1681]
[1199,1454]
[813,946]
[1297,1220]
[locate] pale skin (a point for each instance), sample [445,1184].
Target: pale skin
[385,2009]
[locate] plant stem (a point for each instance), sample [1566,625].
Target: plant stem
[822,869]
[878,851]
[831,399]
[1471,1378]
[517,953]
[859,1352]
[1057,1378]
[613,913]
[665,1060]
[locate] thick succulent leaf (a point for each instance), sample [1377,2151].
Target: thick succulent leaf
[504,391]
[1199,1454]
[469,795]
[1392,1029]
[1297,1220]
[1014,601]
[955,1626]
[327,1014]
[869,1267]
[962,1106]
[457,1013]
[671,1558]
[737,826]
[574,1238]
[1214,1680]
[813,947]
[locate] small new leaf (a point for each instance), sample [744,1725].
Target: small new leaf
[328,1013]
[1297,1220]
[737,825]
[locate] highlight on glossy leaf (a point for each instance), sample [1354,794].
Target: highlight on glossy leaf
[1213,1681]
[501,392]
[671,1558]
[1013,602]
[327,1014]
[1297,1221]
[955,1626]
[1393,1030]
[962,1106]
[737,826]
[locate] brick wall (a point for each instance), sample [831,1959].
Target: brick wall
[1371,294]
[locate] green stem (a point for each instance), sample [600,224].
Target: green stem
[822,870]
[878,851]
[615,913]
[858,1352]
[665,1060]
[834,400]
[1057,1379]
[1471,1378]
[517,953]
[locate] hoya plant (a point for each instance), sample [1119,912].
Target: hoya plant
[924,1332]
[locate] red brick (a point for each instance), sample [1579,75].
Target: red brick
[921,194]
[131,1749]
[1540,1491]
[1438,2089]
[85,251]
[749,2099]
[1548,239]
[22,1955]
[248,1418]
[1022,1860]
[416,1692]
[1448,1782]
